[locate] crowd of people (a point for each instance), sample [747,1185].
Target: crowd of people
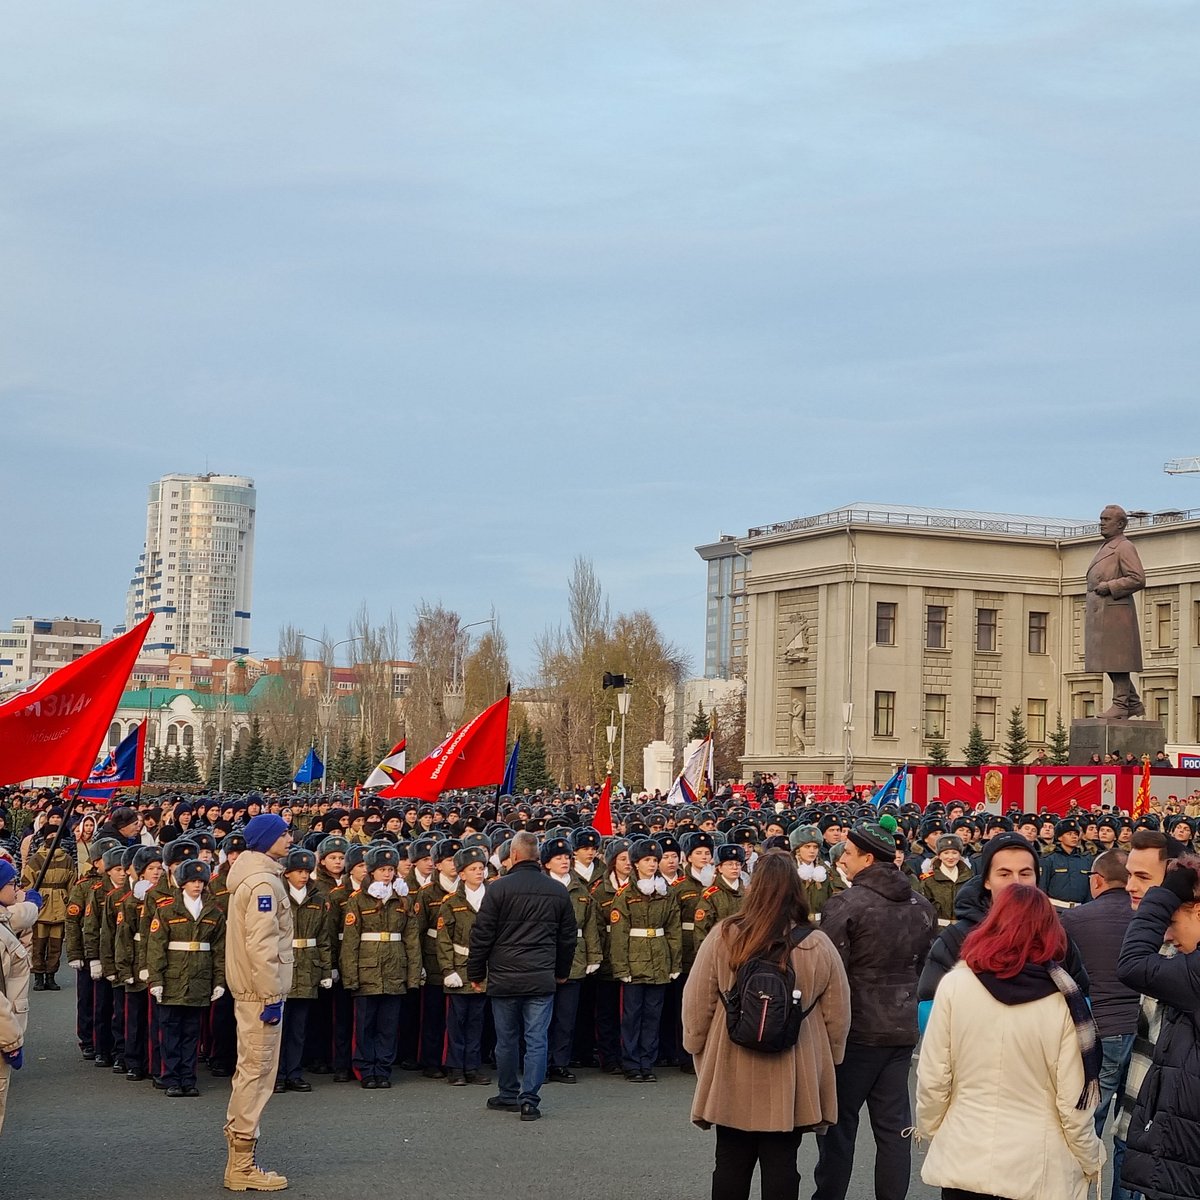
[1027,947]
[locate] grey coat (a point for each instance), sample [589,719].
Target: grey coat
[1112,638]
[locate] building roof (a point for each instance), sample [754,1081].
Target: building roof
[153,698]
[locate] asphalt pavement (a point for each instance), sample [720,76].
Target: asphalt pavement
[75,1130]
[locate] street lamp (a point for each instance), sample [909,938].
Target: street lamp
[623,709]
[847,730]
[610,732]
[454,694]
[325,706]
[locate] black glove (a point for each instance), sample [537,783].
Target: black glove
[1182,882]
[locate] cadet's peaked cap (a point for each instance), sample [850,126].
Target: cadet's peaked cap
[300,860]
[190,870]
[381,856]
[468,855]
[553,847]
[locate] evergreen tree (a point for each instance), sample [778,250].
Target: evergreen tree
[281,770]
[235,769]
[700,725]
[264,767]
[189,771]
[1016,746]
[976,751]
[341,761]
[939,756]
[254,750]
[1060,743]
[531,763]
[360,764]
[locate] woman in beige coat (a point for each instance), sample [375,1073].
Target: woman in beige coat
[1008,1075]
[14,979]
[762,1104]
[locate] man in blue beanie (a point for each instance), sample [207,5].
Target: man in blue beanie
[258,970]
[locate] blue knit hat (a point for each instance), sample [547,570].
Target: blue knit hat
[7,872]
[263,831]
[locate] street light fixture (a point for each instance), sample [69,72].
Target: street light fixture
[325,705]
[454,694]
[847,730]
[623,709]
[610,732]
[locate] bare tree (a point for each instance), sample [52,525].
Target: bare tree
[373,650]
[487,672]
[433,643]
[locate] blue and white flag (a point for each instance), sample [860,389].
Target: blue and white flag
[311,769]
[509,786]
[893,791]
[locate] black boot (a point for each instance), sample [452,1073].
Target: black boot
[51,982]
[38,985]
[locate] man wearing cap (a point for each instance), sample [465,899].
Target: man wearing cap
[258,968]
[883,931]
[1066,870]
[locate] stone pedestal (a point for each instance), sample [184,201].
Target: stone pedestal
[1098,735]
[657,767]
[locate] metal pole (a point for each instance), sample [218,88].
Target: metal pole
[325,757]
[624,710]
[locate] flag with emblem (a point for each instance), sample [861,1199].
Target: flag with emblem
[122,767]
[389,768]
[694,782]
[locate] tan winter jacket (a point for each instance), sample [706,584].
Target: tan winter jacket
[258,938]
[14,986]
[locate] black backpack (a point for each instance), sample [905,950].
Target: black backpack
[762,1009]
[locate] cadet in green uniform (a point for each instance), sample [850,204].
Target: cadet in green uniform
[380,961]
[185,958]
[725,896]
[941,885]
[49,930]
[312,968]
[646,950]
[556,857]
[805,841]
[77,901]
[608,987]
[108,1047]
[467,1001]
[145,870]
[343,1001]
[433,998]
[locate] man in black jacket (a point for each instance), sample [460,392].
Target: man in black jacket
[522,944]
[883,931]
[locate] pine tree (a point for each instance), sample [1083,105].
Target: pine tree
[1060,743]
[976,751]
[341,761]
[235,770]
[938,754]
[264,767]
[360,764]
[700,725]
[1016,747]
[189,771]
[281,770]
[254,749]
[531,763]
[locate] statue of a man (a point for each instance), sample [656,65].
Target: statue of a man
[1112,640]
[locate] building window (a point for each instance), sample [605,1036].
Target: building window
[985,716]
[1196,622]
[1035,720]
[1039,627]
[1088,707]
[885,626]
[114,735]
[935,715]
[1162,626]
[935,627]
[1196,718]
[985,629]
[885,713]
[1162,712]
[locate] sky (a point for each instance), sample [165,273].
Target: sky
[471,289]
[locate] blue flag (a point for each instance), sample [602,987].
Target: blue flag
[311,769]
[509,786]
[893,791]
[121,767]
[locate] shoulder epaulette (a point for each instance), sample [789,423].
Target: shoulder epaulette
[163,901]
[710,891]
[926,875]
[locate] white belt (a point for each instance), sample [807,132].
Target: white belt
[431,933]
[687,925]
[579,933]
[137,937]
[659,932]
[380,937]
[1063,903]
[461,950]
[304,943]
[943,922]
[188,946]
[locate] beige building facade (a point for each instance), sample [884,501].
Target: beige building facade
[876,631]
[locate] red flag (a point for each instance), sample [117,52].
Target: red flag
[602,821]
[57,726]
[472,756]
[1141,803]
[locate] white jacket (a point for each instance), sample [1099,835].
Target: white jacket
[996,1091]
[14,985]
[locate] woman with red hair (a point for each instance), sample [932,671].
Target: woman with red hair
[1008,1077]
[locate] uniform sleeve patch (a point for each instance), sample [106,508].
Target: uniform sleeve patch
[72,910]
[616,916]
[121,918]
[264,904]
[155,925]
[350,918]
[699,914]
[441,923]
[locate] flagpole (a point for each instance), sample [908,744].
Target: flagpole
[496,805]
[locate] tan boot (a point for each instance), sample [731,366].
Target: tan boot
[242,1173]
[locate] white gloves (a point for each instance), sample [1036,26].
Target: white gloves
[217,993]
[400,888]
[591,968]
[129,983]
[626,978]
[453,980]
[336,975]
[156,992]
[673,976]
[379,890]
[77,965]
[140,889]
[94,968]
[111,978]
[424,975]
[143,974]
[326,983]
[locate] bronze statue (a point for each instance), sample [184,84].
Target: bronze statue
[1112,639]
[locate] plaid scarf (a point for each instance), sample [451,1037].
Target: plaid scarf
[1085,1030]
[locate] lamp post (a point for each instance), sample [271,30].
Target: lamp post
[847,730]
[325,706]
[610,732]
[623,709]
[454,695]
[223,709]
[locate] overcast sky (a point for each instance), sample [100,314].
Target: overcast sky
[473,288]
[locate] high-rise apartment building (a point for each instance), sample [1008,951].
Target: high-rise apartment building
[195,573]
[35,646]
[726,608]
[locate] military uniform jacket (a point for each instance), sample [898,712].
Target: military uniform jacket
[941,891]
[185,956]
[645,939]
[817,891]
[312,943]
[381,945]
[687,890]
[588,946]
[218,888]
[715,904]
[323,881]
[57,885]
[426,907]
[1065,875]
[604,891]
[111,919]
[130,945]
[455,920]
[77,901]
[93,918]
